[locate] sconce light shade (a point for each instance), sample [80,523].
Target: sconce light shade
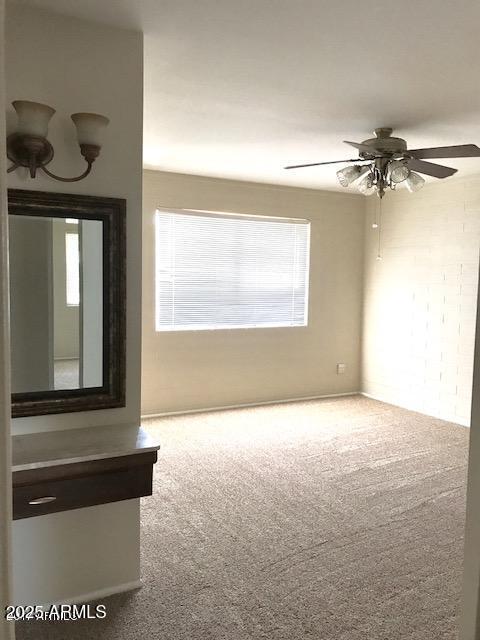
[33,117]
[90,127]
[29,146]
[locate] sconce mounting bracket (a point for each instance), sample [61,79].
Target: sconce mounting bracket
[28,151]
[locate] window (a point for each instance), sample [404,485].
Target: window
[72,269]
[226,271]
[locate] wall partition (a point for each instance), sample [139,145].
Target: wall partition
[6,628]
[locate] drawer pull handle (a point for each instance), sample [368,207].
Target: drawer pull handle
[44,500]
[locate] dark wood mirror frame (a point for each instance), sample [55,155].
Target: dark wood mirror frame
[112,213]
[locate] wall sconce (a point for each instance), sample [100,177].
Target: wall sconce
[29,147]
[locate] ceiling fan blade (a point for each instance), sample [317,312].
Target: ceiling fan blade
[454,151]
[429,168]
[316,164]
[365,148]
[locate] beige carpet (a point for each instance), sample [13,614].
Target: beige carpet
[67,373]
[335,520]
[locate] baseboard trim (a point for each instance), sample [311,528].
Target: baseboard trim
[458,421]
[372,397]
[227,407]
[99,594]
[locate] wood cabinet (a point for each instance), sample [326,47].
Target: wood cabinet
[62,470]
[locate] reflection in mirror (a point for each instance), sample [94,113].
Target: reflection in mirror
[56,292]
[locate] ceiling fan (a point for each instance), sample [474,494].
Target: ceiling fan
[386,162]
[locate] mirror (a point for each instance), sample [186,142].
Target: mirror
[67,302]
[55,303]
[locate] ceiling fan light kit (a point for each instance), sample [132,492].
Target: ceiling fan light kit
[387,163]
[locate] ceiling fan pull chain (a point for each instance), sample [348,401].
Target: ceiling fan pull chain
[379,250]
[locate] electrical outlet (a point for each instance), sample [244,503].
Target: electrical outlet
[341,368]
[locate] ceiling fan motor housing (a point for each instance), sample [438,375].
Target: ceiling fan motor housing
[384,143]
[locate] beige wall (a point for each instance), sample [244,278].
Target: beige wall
[74,65]
[470,615]
[197,369]
[91,293]
[79,66]
[420,300]
[31,303]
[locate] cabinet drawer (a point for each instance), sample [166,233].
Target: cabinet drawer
[83,488]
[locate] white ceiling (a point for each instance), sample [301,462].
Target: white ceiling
[239,88]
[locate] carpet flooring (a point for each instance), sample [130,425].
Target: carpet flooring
[336,519]
[67,373]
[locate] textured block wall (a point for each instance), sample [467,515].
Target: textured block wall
[420,299]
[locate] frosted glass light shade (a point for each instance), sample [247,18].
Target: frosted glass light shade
[414,182]
[398,171]
[33,117]
[90,127]
[349,174]
[366,186]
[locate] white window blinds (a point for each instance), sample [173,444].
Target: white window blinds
[230,271]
